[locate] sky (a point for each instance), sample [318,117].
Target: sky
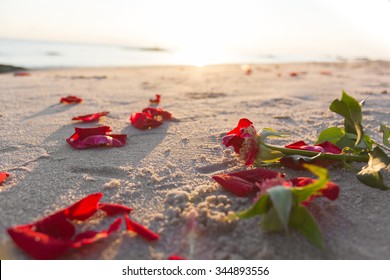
[299,27]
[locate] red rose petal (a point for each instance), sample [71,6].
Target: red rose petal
[36,244]
[235,185]
[156,100]
[324,147]
[85,138]
[89,237]
[242,123]
[3,176]
[114,209]
[141,230]
[142,121]
[71,99]
[256,175]
[157,113]
[176,257]
[85,208]
[331,191]
[56,226]
[90,117]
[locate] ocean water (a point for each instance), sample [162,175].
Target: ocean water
[46,54]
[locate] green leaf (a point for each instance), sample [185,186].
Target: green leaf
[281,198]
[351,110]
[331,134]
[303,193]
[371,175]
[386,135]
[303,221]
[271,221]
[260,207]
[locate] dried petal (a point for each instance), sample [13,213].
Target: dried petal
[90,117]
[141,230]
[71,99]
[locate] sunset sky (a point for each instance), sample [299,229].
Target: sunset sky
[300,27]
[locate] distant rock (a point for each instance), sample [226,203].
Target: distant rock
[9,68]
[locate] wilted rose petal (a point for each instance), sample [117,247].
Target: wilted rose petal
[156,100]
[114,209]
[243,183]
[3,176]
[85,138]
[90,117]
[71,99]
[141,230]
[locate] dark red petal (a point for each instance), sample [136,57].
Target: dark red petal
[156,100]
[141,230]
[89,237]
[71,99]
[36,244]
[3,176]
[256,175]
[242,123]
[84,208]
[292,163]
[330,147]
[114,209]
[90,117]
[235,185]
[293,74]
[56,226]
[176,257]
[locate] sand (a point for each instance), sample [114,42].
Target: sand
[165,173]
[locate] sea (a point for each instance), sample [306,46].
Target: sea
[49,54]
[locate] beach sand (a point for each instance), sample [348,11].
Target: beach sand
[164,174]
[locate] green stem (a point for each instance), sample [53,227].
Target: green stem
[340,157]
